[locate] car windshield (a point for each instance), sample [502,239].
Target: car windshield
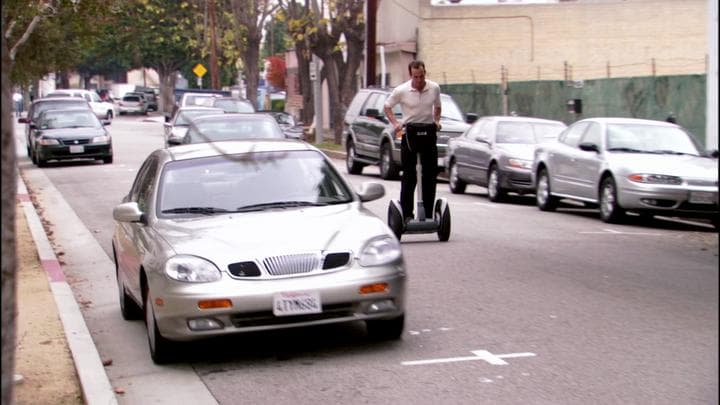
[40,107]
[201,100]
[184,117]
[643,138]
[526,132]
[215,129]
[254,181]
[134,99]
[235,106]
[68,119]
[450,110]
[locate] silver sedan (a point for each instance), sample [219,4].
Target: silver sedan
[238,236]
[626,164]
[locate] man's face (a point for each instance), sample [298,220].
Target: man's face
[417,77]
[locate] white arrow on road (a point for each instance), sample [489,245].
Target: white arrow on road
[495,359]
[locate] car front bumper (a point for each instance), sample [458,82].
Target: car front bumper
[63,152]
[694,201]
[252,302]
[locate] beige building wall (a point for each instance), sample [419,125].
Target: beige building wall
[573,40]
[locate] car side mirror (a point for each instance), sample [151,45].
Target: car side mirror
[471,117]
[167,118]
[370,191]
[589,147]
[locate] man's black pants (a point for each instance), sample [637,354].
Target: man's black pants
[426,145]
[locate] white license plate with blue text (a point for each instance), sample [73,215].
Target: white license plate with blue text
[77,149]
[296,303]
[702,197]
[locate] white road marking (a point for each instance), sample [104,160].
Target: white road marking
[494,359]
[615,232]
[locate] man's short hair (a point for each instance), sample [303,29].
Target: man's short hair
[416,64]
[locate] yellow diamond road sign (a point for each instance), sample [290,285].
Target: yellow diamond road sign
[199,70]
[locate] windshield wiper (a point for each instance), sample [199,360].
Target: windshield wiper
[279,204]
[629,150]
[195,210]
[671,152]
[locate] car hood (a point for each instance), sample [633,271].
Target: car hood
[453,126]
[246,236]
[517,150]
[674,165]
[83,132]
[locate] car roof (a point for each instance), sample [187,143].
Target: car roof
[198,108]
[520,119]
[234,117]
[56,99]
[627,120]
[218,148]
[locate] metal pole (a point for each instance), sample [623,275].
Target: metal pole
[317,94]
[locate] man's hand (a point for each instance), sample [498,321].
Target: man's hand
[437,124]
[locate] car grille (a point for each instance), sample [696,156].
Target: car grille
[267,318]
[291,264]
[74,141]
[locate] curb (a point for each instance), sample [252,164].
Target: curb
[96,387]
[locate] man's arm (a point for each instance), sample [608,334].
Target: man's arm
[391,117]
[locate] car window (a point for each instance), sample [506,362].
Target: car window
[450,110]
[593,135]
[224,130]
[475,131]
[68,119]
[144,183]
[95,98]
[54,105]
[135,99]
[515,132]
[571,137]
[650,138]
[248,181]
[371,102]
[354,108]
[547,132]
[184,117]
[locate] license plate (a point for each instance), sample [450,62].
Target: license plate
[296,303]
[77,149]
[702,197]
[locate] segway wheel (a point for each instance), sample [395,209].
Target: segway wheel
[442,217]
[395,219]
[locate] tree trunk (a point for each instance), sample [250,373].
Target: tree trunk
[303,57]
[168,77]
[8,176]
[250,56]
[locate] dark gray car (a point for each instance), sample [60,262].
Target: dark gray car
[497,153]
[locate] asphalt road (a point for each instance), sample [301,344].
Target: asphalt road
[520,306]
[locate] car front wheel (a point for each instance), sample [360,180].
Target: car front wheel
[353,166]
[610,210]
[545,200]
[382,329]
[161,349]
[457,186]
[495,192]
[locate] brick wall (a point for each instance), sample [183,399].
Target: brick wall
[576,40]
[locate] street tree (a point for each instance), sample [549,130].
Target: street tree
[250,16]
[335,32]
[38,37]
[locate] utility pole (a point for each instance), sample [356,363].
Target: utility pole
[371,42]
[214,75]
[317,94]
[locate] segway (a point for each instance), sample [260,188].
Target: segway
[417,138]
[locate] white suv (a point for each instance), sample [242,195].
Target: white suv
[104,110]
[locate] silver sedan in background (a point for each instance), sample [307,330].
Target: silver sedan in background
[232,126]
[627,164]
[238,236]
[497,153]
[176,127]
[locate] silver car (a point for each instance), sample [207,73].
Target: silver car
[176,127]
[497,153]
[238,236]
[232,126]
[626,164]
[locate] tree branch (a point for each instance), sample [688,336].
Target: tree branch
[31,27]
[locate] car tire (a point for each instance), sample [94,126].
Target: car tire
[543,195]
[495,192]
[33,156]
[388,168]
[353,166]
[109,115]
[108,159]
[610,210]
[385,329]
[162,351]
[457,186]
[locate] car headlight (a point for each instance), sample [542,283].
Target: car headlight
[101,139]
[520,163]
[48,141]
[655,179]
[379,251]
[191,269]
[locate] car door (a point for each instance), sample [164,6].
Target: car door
[587,164]
[133,243]
[561,159]
[365,127]
[482,151]
[461,148]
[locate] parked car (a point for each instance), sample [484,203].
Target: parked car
[232,126]
[625,164]
[497,153]
[232,104]
[42,104]
[103,109]
[369,139]
[291,128]
[148,98]
[176,127]
[133,104]
[69,134]
[213,239]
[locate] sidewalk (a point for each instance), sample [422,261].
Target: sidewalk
[55,353]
